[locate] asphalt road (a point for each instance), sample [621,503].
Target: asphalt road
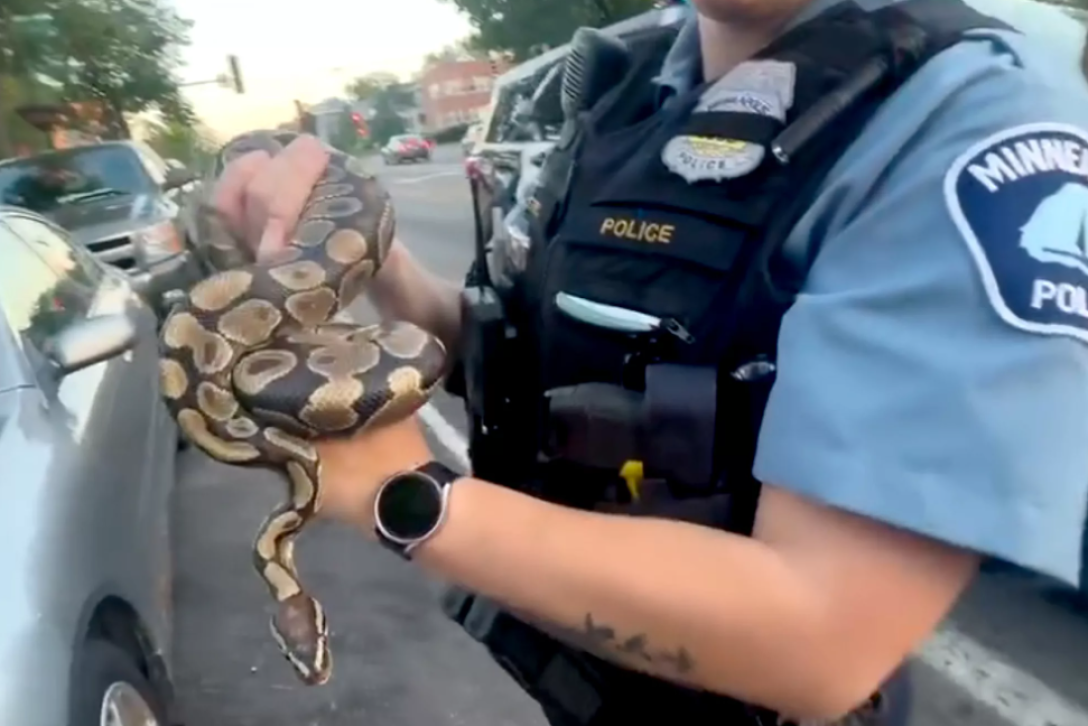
[1015,651]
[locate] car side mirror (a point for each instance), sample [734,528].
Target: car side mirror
[90,341]
[177,177]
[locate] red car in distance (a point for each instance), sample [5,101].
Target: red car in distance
[407,147]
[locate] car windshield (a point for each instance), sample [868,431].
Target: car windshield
[512,119]
[43,183]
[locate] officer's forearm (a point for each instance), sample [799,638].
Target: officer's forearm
[693,605]
[405,290]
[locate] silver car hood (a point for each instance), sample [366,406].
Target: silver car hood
[110,218]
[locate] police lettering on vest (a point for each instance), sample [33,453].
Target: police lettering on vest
[1020,199]
[637,230]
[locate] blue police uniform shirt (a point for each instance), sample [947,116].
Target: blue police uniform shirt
[933,373]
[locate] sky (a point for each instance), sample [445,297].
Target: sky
[306,50]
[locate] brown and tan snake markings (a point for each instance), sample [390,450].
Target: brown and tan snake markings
[254,369]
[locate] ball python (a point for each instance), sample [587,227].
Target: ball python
[254,368]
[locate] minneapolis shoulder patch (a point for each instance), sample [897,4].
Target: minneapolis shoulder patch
[1020,200]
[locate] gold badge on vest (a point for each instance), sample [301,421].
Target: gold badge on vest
[763,88]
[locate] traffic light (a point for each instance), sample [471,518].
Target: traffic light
[235,74]
[360,123]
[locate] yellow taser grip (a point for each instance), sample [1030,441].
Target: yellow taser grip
[631,472]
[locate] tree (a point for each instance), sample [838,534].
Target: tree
[388,100]
[346,136]
[124,54]
[386,121]
[464,48]
[27,37]
[522,26]
[363,87]
[15,132]
[188,143]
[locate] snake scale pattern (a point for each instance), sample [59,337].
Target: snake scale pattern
[254,368]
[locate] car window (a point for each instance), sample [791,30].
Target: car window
[65,257]
[37,302]
[45,182]
[154,163]
[497,114]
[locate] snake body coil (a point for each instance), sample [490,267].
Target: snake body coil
[253,368]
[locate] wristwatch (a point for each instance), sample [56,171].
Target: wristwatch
[410,506]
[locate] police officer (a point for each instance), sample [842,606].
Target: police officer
[892,287]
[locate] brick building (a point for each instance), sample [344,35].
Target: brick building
[67,125]
[457,91]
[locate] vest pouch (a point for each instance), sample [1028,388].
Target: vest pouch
[743,391]
[664,262]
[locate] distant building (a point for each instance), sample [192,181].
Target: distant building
[68,125]
[328,115]
[458,91]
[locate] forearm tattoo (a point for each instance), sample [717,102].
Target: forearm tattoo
[597,638]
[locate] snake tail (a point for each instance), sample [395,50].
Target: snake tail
[298,626]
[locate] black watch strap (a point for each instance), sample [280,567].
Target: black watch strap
[437,472]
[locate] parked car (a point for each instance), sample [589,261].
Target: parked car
[87,454]
[407,147]
[515,140]
[120,200]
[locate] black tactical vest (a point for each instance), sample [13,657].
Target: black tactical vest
[681,213]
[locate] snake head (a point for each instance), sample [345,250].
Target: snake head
[300,629]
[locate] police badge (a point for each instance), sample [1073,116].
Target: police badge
[763,88]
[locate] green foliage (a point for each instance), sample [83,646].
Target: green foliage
[522,26]
[347,138]
[27,35]
[125,54]
[14,93]
[385,124]
[364,87]
[388,99]
[187,143]
[455,51]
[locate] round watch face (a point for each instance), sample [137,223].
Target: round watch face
[409,506]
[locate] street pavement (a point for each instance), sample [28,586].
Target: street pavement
[1014,652]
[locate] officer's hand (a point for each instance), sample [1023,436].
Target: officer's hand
[353,469]
[261,197]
